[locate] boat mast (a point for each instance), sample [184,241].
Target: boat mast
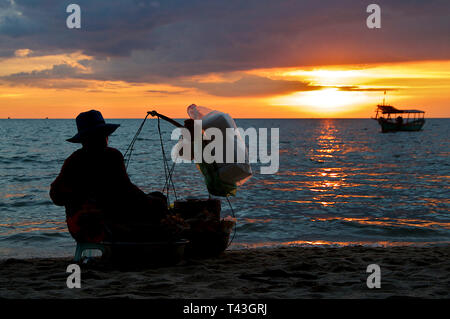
[384,98]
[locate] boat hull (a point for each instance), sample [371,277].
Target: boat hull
[387,126]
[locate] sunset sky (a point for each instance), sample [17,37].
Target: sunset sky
[252,58]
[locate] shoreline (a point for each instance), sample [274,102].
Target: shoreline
[285,272]
[68,253]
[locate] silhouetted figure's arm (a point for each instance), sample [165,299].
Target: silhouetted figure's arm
[112,187]
[121,175]
[148,207]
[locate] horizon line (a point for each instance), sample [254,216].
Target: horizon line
[235,118]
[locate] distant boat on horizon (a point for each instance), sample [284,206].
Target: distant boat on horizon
[413,122]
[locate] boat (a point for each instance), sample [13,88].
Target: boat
[392,119]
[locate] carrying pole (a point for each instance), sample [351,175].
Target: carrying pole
[168,119]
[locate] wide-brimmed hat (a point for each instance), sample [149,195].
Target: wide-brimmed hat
[91,123]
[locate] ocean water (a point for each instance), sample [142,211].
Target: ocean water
[340,182]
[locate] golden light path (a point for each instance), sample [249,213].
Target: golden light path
[324,243]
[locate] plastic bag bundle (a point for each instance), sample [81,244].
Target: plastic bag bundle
[223,178]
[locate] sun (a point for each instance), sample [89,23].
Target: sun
[329,100]
[333,92]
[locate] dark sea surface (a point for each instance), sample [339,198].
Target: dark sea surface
[340,182]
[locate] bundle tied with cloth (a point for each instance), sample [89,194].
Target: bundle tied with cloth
[223,178]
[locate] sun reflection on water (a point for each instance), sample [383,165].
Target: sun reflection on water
[325,243]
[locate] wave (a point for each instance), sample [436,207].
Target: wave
[35,237]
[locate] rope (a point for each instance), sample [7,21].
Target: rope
[234,216]
[130,147]
[167,171]
[166,183]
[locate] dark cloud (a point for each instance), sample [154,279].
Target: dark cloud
[59,71]
[68,84]
[146,41]
[48,78]
[165,92]
[252,85]
[246,86]
[6,53]
[362,89]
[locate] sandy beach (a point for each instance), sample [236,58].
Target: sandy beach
[290,272]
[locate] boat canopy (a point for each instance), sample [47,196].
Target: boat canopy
[388,109]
